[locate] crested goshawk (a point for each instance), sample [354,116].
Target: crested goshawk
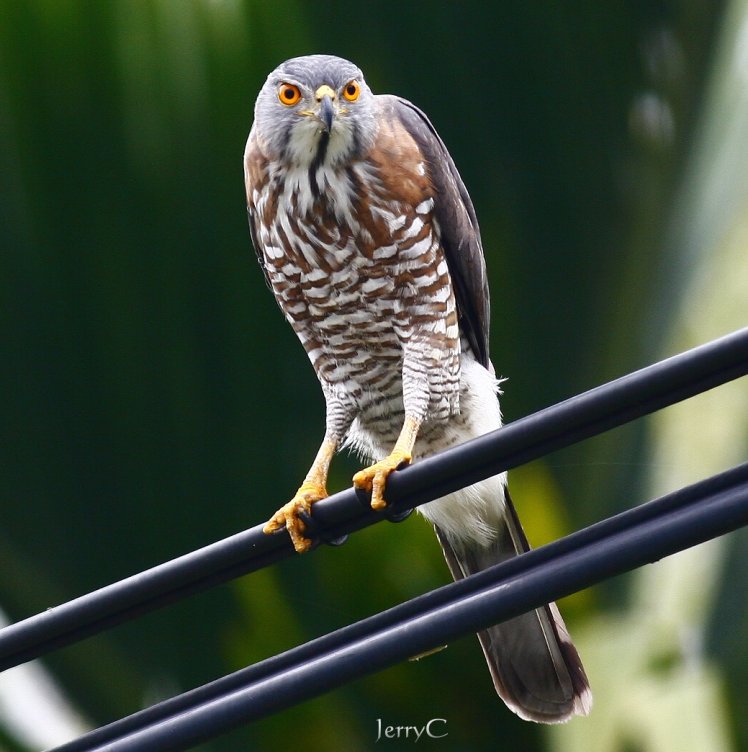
[370,243]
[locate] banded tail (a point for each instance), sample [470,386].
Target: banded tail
[536,669]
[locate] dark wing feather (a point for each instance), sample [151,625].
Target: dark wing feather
[460,235]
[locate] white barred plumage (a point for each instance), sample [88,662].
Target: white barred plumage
[370,243]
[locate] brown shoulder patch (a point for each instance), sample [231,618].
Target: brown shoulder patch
[255,167]
[401,164]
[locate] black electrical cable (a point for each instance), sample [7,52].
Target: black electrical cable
[579,417]
[615,545]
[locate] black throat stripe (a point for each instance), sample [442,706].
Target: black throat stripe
[319,158]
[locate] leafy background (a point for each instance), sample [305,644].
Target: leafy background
[154,400]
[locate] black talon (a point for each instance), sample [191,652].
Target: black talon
[391,513]
[364,497]
[313,532]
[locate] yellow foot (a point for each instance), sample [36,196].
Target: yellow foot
[374,478]
[288,515]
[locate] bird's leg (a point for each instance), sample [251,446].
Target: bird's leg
[374,478]
[311,490]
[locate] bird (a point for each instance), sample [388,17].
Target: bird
[370,243]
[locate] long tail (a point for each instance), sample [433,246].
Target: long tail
[535,667]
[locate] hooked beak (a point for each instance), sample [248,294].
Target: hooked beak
[325,110]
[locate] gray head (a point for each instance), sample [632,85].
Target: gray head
[315,109]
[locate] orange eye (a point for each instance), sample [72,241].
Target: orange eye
[289,94]
[351,91]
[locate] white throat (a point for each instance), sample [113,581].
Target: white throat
[307,137]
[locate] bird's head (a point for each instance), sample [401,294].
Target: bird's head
[316,108]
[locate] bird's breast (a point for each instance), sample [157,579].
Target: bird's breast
[360,274]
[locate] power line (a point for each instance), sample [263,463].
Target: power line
[552,428]
[620,543]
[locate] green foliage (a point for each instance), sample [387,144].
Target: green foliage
[155,400]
